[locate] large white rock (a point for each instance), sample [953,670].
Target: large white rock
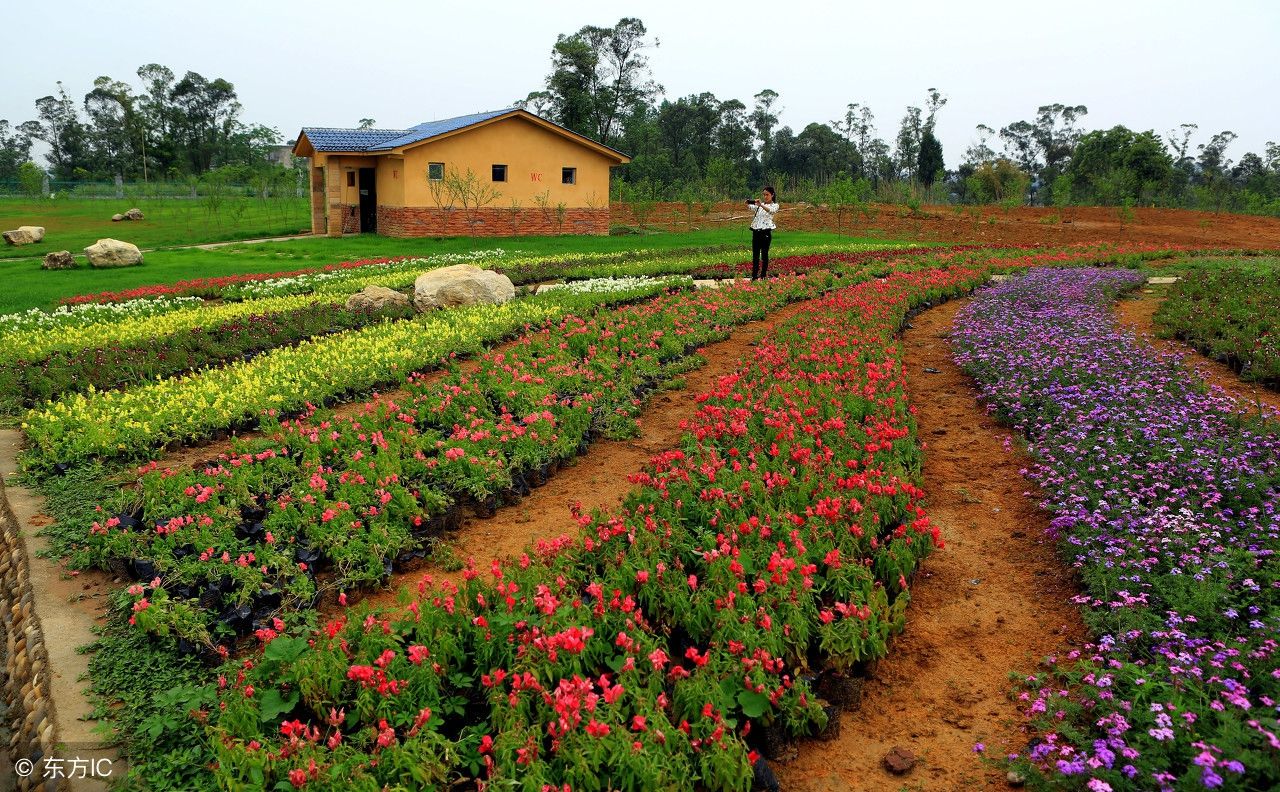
[24,235]
[376,298]
[461,284]
[113,253]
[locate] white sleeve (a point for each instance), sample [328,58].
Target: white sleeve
[771,208]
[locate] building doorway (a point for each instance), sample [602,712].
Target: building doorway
[368,201]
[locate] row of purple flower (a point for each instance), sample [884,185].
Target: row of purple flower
[1164,496]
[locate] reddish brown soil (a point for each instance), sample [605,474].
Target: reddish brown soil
[599,479]
[992,225]
[993,601]
[1137,315]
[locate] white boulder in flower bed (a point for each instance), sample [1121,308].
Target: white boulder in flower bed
[461,284]
[376,298]
[113,253]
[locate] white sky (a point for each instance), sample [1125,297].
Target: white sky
[1148,65]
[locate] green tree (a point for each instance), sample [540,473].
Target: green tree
[15,149]
[30,179]
[60,127]
[930,162]
[598,75]
[764,119]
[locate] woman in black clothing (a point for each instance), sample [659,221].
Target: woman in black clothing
[762,231]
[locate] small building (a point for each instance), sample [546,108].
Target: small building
[502,173]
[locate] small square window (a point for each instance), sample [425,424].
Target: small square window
[499,173]
[351,178]
[435,171]
[568,175]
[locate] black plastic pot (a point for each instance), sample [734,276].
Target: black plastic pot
[306,555]
[762,777]
[486,507]
[238,618]
[142,568]
[252,531]
[128,522]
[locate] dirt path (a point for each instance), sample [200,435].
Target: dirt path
[995,600]
[599,479]
[1137,314]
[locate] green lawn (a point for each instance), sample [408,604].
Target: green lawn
[75,223]
[23,284]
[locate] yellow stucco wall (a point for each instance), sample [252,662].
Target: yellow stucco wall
[534,157]
[391,180]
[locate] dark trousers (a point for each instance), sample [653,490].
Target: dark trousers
[761,238]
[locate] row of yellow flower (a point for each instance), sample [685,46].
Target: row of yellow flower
[133,422]
[37,344]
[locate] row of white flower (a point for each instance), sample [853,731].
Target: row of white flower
[90,313]
[603,285]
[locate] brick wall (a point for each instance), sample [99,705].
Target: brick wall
[345,217]
[423,221]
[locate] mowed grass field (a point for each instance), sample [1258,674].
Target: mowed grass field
[75,223]
[25,285]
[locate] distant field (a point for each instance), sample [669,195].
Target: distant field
[26,285]
[74,223]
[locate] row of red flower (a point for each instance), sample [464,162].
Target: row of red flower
[241,537]
[777,542]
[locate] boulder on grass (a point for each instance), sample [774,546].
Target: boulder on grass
[461,284]
[115,218]
[133,214]
[113,253]
[59,260]
[376,298]
[24,235]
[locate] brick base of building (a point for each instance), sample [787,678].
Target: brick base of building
[423,221]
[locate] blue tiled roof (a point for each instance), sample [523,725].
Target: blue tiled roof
[330,139]
[430,129]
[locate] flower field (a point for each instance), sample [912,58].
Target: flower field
[1229,313]
[1165,500]
[735,599]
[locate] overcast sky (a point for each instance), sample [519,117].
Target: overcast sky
[1148,65]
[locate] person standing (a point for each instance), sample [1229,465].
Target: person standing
[762,231]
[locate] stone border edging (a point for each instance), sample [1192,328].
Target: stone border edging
[27,684]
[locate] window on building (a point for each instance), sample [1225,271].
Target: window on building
[351,178]
[435,171]
[499,173]
[568,175]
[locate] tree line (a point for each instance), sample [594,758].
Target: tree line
[163,127]
[700,146]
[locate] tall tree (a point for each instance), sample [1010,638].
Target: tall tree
[930,163]
[908,148]
[60,127]
[15,148]
[980,151]
[764,119]
[114,133]
[598,75]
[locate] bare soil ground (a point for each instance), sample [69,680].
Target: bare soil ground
[992,602]
[990,224]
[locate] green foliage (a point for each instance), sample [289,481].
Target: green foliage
[929,163]
[1228,310]
[30,179]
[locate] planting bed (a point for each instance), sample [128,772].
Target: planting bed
[1164,500]
[722,603]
